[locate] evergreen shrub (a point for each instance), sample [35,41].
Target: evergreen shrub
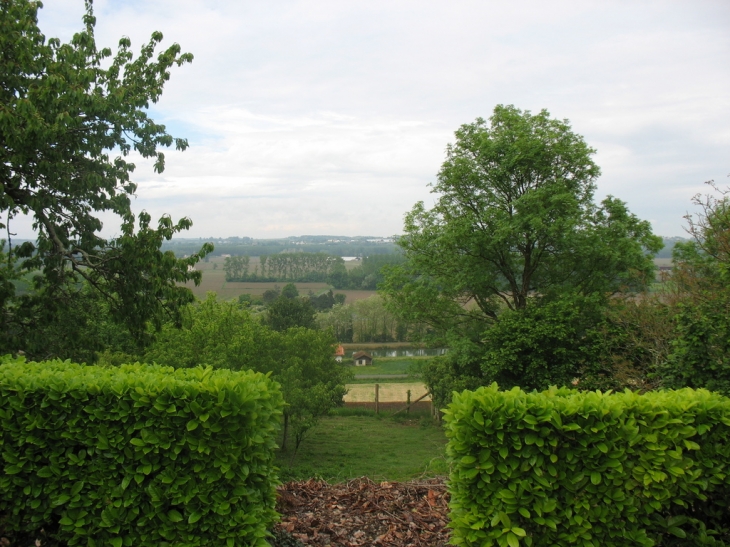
[563,467]
[137,455]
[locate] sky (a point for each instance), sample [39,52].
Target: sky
[330,117]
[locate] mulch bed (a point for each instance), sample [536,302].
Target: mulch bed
[363,512]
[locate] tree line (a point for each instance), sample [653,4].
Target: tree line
[291,267]
[304,267]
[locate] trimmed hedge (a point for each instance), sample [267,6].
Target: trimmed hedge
[139,455]
[588,468]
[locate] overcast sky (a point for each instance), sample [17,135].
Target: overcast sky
[332,117]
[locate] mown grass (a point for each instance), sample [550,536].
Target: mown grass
[392,365]
[341,448]
[383,380]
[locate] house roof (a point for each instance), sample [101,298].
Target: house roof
[362,354]
[340,351]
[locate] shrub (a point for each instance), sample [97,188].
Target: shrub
[137,455]
[587,468]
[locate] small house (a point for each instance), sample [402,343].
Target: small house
[362,359]
[339,353]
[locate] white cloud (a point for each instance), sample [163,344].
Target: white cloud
[332,117]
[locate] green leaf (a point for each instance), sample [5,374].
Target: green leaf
[678,532]
[174,515]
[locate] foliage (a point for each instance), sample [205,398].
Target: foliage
[588,468]
[369,274]
[367,320]
[701,352]
[290,291]
[554,342]
[515,227]
[310,267]
[225,335]
[285,313]
[236,267]
[638,336]
[64,109]
[138,455]
[300,267]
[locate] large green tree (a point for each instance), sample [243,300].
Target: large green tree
[70,115]
[515,226]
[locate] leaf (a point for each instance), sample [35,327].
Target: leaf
[675,531]
[174,515]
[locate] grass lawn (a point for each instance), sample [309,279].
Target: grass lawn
[341,448]
[384,380]
[392,365]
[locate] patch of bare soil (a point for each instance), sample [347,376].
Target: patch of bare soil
[362,512]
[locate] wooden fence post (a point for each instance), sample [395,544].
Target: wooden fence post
[377,398]
[408,401]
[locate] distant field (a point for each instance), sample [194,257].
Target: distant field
[214,280]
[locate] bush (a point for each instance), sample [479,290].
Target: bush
[138,455]
[587,468]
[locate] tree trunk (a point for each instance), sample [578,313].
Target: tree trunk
[286,431]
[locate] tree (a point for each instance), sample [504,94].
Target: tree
[290,291]
[514,226]
[700,355]
[285,313]
[236,267]
[65,109]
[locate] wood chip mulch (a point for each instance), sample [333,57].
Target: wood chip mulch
[363,512]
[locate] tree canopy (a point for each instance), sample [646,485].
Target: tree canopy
[70,116]
[514,226]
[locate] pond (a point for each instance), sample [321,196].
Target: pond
[406,351]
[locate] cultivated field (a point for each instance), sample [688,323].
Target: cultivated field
[388,392]
[214,280]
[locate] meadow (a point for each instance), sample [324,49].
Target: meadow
[344,447]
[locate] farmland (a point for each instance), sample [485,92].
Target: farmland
[214,280]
